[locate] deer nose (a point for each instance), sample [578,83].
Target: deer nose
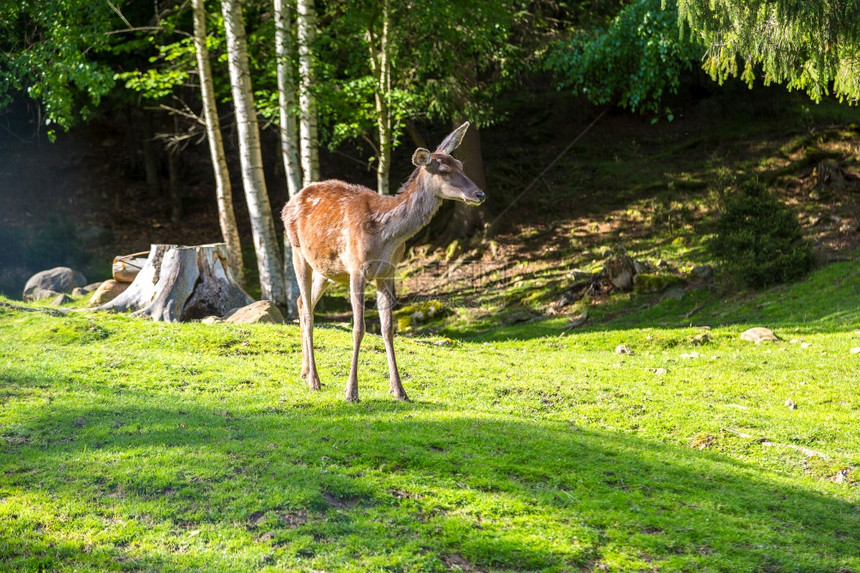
[480,196]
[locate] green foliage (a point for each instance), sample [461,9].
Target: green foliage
[49,50]
[759,239]
[172,67]
[808,46]
[637,60]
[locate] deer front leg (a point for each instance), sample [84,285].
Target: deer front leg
[306,320]
[385,300]
[356,297]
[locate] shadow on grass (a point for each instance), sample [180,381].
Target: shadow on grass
[143,482]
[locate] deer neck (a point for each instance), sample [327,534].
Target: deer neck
[416,205]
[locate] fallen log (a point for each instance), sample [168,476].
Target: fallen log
[127,267]
[181,283]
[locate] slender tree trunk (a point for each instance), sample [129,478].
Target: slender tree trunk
[262,225]
[289,151]
[380,64]
[223,188]
[286,97]
[309,139]
[150,158]
[174,191]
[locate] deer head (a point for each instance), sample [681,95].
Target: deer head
[446,176]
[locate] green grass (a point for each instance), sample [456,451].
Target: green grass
[132,445]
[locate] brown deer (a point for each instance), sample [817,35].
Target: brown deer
[349,234]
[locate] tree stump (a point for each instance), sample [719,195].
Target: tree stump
[179,283]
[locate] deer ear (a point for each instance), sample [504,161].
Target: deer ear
[453,140]
[421,157]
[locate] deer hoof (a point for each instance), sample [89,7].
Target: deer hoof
[353,399]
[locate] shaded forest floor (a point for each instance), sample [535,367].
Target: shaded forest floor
[627,184]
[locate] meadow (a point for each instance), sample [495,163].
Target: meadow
[132,445]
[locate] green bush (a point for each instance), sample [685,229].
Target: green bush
[636,61]
[759,239]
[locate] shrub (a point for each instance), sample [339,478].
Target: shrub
[759,239]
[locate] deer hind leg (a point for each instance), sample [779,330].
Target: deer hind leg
[356,297]
[319,284]
[306,319]
[385,299]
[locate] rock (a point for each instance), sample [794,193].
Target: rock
[518,317]
[828,175]
[700,339]
[790,404]
[621,349]
[106,292]
[805,345]
[62,299]
[702,272]
[620,270]
[59,279]
[758,335]
[666,266]
[655,282]
[660,371]
[855,350]
[260,311]
[642,267]
[40,294]
[211,320]
[81,291]
[453,251]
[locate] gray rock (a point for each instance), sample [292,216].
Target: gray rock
[622,349]
[260,311]
[62,299]
[620,270]
[758,335]
[39,293]
[702,272]
[81,291]
[59,279]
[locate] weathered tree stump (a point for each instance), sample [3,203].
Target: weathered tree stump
[179,283]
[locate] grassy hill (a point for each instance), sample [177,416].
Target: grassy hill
[132,445]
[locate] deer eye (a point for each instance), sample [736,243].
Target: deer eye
[444,172]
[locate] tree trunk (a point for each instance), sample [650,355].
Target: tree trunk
[309,139]
[223,188]
[380,65]
[182,283]
[262,224]
[150,157]
[462,220]
[289,151]
[173,186]
[286,97]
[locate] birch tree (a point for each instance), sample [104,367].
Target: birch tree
[308,139]
[262,225]
[289,151]
[223,188]
[380,66]
[286,97]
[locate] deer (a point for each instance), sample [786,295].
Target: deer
[348,234]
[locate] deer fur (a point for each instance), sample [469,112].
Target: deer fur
[349,234]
